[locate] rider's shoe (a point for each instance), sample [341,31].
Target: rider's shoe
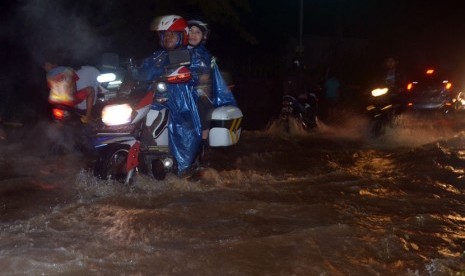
[187,173]
[197,175]
[204,156]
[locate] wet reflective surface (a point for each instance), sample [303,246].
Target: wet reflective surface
[330,202]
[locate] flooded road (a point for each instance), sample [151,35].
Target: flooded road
[330,202]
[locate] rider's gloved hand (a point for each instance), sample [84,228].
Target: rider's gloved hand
[85,120]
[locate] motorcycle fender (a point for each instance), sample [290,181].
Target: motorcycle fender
[104,141]
[133,156]
[141,113]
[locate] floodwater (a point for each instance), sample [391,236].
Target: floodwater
[329,202]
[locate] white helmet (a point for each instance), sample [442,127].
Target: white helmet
[202,25]
[172,23]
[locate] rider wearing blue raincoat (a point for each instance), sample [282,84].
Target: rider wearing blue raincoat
[184,127]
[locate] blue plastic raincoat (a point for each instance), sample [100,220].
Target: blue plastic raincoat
[201,63]
[184,126]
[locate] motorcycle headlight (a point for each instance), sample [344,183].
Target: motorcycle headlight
[118,114]
[379,91]
[161,87]
[160,93]
[107,77]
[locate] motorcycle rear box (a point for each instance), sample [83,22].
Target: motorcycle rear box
[225,127]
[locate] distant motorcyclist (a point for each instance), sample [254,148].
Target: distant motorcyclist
[386,98]
[297,83]
[62,82]
[393,77]
[184,126]
[395,80]
[300,85]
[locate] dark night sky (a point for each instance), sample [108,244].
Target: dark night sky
[420,29]
[419,32]
[429,29]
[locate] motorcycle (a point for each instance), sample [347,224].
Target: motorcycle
[303,109]
[133,134]
[384,106]
[460,101]
[68,132]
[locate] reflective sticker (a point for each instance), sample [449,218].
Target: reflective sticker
[233,130]
[133,157]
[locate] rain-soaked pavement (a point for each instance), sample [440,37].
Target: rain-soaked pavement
[330,202]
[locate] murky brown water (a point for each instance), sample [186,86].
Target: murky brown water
[327,203]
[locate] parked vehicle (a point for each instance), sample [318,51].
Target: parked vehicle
[69,132]
[303,112]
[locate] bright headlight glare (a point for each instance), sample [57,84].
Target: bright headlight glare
[379,92]
[161,87]
[107,77]
[167,162]
[113,115]
[114,84]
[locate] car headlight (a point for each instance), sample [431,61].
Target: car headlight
[118,114]
[379,91]
[107,77]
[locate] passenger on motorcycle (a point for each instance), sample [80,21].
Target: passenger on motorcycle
[198,33]
[63,90]
[211,89]
[184,124]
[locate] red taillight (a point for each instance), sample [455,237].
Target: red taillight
[58,114]
[409,86]
[179,78]
[182,74]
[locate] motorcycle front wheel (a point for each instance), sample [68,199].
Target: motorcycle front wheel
[111,163]
[158,170]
